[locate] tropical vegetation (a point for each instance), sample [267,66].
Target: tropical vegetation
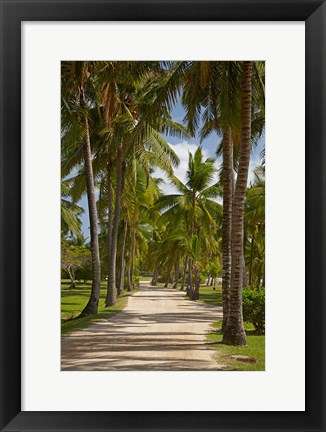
[116,118]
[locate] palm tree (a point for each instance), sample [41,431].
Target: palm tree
[234,333]
[140,193]
[255,223]
[211,91]
[70,212]
[75,106]
[130,135]
[193,205]
[213,94]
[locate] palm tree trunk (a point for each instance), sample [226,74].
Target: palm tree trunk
[111,297]
[234,333]
[110,207]
[195,292]
[244,269]
[132,267]
[129,288]
[176,273]
[122,262]
[226,223]
[251,260]
[190,281]
[118,271]
[244,273]
[166,285]
[184,275]
[155,275]
[92,306]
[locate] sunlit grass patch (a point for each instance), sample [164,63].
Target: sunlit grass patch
[255,343]
[255,348]
[74,300]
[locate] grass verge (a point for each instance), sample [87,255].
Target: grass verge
[255,348]
[255,343]
[210,296]
[73,302]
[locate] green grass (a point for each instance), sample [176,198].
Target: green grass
[210,296]
[255,348]
[145,278]
[255,343]
[73,302]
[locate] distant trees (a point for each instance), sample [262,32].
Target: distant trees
[73,258]
[191,217]
[254,229]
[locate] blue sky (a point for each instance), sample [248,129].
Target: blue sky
[181,148]
[209,144]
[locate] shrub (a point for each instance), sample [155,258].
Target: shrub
[84,273]
[253,302]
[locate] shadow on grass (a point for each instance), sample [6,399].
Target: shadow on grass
[210,296]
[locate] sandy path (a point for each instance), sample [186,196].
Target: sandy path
[158,330]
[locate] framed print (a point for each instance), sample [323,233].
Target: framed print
[110,374]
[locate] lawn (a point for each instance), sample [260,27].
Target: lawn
[73,302]
[145,278]
[255,343]
[210,296]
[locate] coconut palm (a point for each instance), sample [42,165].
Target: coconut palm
[255,223]
[211,94]
[75,116]
[140,193]
[131,136]
[70,212]
[234,333]
[194,204]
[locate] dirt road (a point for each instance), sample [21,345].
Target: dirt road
[158,330]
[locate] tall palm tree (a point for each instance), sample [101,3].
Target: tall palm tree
[141,191]
[131,135]
[211,93]
[234,333]
[75,80]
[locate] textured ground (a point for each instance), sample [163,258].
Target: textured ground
[158,330]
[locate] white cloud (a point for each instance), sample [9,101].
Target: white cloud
[252,166]
[182,150]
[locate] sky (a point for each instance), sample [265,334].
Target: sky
[181,148]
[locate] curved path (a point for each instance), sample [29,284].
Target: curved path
[158,330]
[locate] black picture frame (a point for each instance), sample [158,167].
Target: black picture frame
[13,12]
